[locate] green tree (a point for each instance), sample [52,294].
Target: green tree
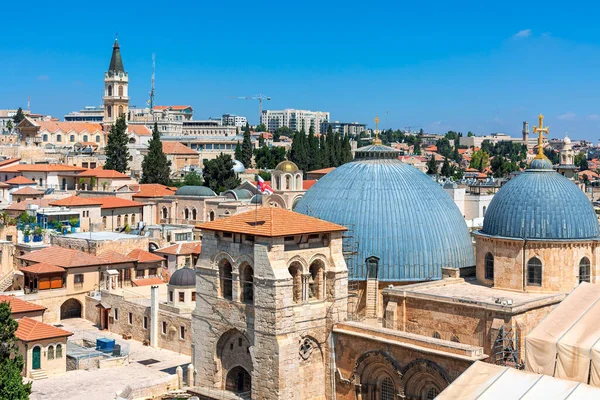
[246,154]
[330,148]
[447,169]
[260,128]
[9,126]
[581,161]
[19,116]
[156,167]
[417,149]
[456,154]
[346,150]
[313,151]
[117,153]
[470,134]
[443,147]
[218,174]
[282,131]
[261,140]
[263,174]
[11,362]
[192,179]
[237,154]
[479,160]
[432,166]
[299,151]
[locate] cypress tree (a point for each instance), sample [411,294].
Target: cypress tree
[11,362]
[330,148]
[432,166]
[155,166]
[19,116]
[299,151]
[246,154]
[346,150]
[238,152]
[323,160]
[261,140]
[446,168]
[338,149]
[313,150]
[117,153]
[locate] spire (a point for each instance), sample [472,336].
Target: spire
[116,63]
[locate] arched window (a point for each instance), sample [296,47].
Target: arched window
[436,335]
[45,137]
[50,352]
[315,280]
[534,272]
[97,138]
[109,111]
[165,213]
[288,182]
[432,393]
[238,380]
[126,219]
[455,339]
[489,266]
[120,110]
[299,182]
[226,280]
[118,220]
[211,216]
[58,351]
[247,283]
[104,223]
[275,183]
[120,90]
[387,389]
[109,91]
[194,214]
[72,138]
[85,138]
[186,214]
[584,270]
[295,271]
[132,219]
[59,138]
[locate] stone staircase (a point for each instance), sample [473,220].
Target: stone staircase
[6,281]
[38,374]
[372,298]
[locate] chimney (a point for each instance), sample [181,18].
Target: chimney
[154,316]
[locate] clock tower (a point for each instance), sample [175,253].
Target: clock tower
[116,96]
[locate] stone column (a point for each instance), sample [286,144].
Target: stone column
[154,316]
[235,286]
[305,296]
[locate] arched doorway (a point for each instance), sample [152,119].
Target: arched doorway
[239,381]
[36,358]
[70,309]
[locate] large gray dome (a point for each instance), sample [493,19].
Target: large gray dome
[396,213]
[197,191]
[183,277]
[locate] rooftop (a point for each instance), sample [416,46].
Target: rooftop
[20,180]
[20,306]
[31,330]
[28,190]
[63,257]
[102,236]
[112,256]
[103,173]
[181,248]
[42,268]
[115,202]
[74,201]
[43,168]
[177,148]
[153,190]
[144,256]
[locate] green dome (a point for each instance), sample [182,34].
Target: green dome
[197,191]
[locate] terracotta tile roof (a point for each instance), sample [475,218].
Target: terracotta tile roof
[177,148]
[4,185]
[63,257]
[153,190]
[590,174]
[74,201]
[9,161]
[181,249]
[22,206]
[140,130]
[20,180]
[308,183]
[31,330]
[147,281]
[113,257]
[173,107]
[271,222]
[28,190]
[42,268]
[321,171]
[108,202]
[43,168]
[144,256]
[103,173]
[53,126]
[20,306]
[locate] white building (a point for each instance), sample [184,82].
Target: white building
[234,120]
[294,119]
[344,128]
[88,114]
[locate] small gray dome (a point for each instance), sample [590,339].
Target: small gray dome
[198,191]
[238,167]
[183,277]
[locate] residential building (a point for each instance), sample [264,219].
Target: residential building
[183,159]
[88,114]
[56,176]
[344,128]
[234,120]
[296,120]
[116,95]
[60,134]
[207,128]
[209,147]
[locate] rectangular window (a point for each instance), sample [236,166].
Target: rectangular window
[227,234]
[193,296]
[130,318]
[181,297]
[171,296]
[139,273]
[152,271]
[78,280]
[145,322]
[116,312]
[164,328]
[182,332]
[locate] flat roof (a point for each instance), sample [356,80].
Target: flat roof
[101,236]
[467,292]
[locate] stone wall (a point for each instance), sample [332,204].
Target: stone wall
[95,247]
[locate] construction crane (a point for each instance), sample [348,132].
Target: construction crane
[259,97]
[151,100]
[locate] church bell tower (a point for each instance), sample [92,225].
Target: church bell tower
[116,96]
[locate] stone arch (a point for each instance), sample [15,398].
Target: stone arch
[372,369]
[316,289]
[287,182]
[194,213]
[298,183]
[584,270]
[300,260]
[211,216]
[232,351]
[246,279]
[152,247]
[71,308]
[296,268]
[238,380]
[186,213]
[295,201]
[277,200]
[226,279]
[320,257]
[223,255]
[420,376]
[165,213]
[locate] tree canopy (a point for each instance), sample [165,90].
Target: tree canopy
[432,166]
[117,153]
[480,160]
[268,157]
[218,174]
[260,128]
[246,149]
[11,361]
[156,167]
[581,161]
[19,116]
[192,179]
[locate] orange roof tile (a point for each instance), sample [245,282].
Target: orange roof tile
[22,206]
[147,281]
[63,257]
[140,130]
[308,183]
[321,171]
[177,148]
[28,190]
[43,168]
[42,268]
[53,126]
[108,202]
[181,248]
[20,180]
[153,190]
[20,306]
[9,161]
[103,174]
[74,201]
[271,222]
[30,330]
[113,257]
[144,256]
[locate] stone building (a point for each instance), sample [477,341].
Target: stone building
[566,166]
[271,282]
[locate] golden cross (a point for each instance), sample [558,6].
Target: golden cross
[541,130]
[377,141]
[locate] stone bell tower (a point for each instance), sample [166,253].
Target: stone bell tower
[116,96]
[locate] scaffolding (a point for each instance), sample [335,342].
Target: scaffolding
[506,349]
[350,252]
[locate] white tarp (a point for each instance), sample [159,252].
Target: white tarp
[487,381]
[542,344]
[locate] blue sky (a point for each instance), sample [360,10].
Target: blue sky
[478,66]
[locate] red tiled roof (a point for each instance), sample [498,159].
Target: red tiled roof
[31,330]
[103,173]
[271,222]
[307,184]
[22,206]
[9,161]
[63,257]
[144,256]
[147,281]
[108,202]
[43,168]
[321,171]
[74,201]
[113,257]
[177,148]
[53,126]
[140,130]
[153,190]
[20,180]
[28,190]
[181,248]
[42,268]
[20,306]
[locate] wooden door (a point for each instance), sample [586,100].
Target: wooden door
[36,358]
